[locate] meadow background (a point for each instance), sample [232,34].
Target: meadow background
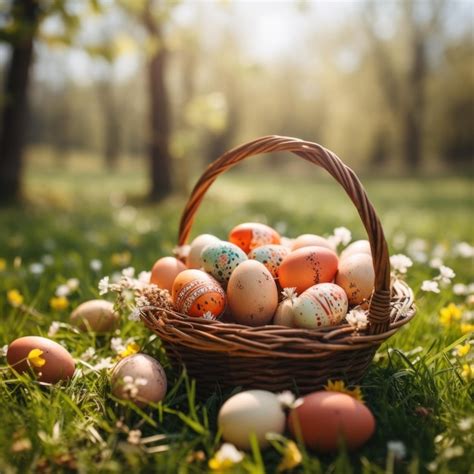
[87,190]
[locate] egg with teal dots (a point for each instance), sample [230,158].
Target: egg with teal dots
[271,256]
[221,259]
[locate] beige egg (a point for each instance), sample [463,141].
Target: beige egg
[193,259]
[286,242]
[255,412]
[164,272]
[320,305]
[252,294]
[284,314]
[359,246]
[139,378]
[310,240]
[95,315]
[356,276]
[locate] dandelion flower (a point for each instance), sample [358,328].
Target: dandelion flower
[59,303]
[129,350]
[462,350]
[291,457]
[449,314]
[467,328]
[340,386]
[225,458]
[467,372]
[35,359]
[15,298]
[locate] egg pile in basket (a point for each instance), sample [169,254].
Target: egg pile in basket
[264,311]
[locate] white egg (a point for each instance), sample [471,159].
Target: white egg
[359,246]
[254,411]
[193,259]
[320,305]
[356,276]
[284,314]
[311,240]
[95,315]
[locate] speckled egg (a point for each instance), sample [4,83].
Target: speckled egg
[193,259]
[306,267]
[51,362]
[284,315]
[256,412]
[197,294]
[95,315]
[139,378]
[164,272]
[251,235]
[359,246]
[271,256]
[324,419]
[356,276]
[311,240]
[252,294]
[220,260]
[320,305]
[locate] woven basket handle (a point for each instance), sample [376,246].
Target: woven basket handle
[379,309]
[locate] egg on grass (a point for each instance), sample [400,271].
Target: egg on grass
[96,316]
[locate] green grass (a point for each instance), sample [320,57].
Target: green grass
[418,398]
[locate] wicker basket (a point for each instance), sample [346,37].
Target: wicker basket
[276,357]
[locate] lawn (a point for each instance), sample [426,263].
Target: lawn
[90,223]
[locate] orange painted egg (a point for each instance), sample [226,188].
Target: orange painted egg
[325,419]
[51,362]
[319,306]
[356,276]
[251,235]
[197,294]
[271,256]
[306,267]
[164,272]
[359,246]
[252,294]
[311,240]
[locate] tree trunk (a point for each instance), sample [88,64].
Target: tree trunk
[14,115]
[159,155]
[111,125]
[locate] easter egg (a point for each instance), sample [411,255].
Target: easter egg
[193,259]
[324,419]
[320,305]
[306,267]
[311,240]
[220,260]
[286,242]
[252,235]
[271,256]
[49,360]
[139,378]
[197,294]
[95,315]
[256,412]
[252,294]
[359,246]
[164,272]
[356,276]
[284,315]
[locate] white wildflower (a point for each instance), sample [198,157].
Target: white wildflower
[142,301]
[289,294]
[464,250]
[228,452]
[73,284]
[288,400]
[104,285]
[460,289]
[400,263]
[47,260]
[54,328]
[134,437]
[446,274]
[128,272]
[135,314]
[62,290]
[36,268]
[95,265]
[3,350]
[439,251]
[144,277]
[342,235]
[430,285]
[208,315]
[466,424]
[117,344]
[398,449]
[436,262]
[104,364]
[88,354]
[357,318]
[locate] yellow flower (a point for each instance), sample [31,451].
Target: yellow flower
[227,456]
[449,314]
[34,357]
[121,259]
[467,327]
[131,349]
[3,264]
[291,457]
[15,298]
[340,386]
[59,303]
[462,349]
[468,371]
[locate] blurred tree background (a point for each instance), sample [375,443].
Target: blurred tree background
[168,86]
